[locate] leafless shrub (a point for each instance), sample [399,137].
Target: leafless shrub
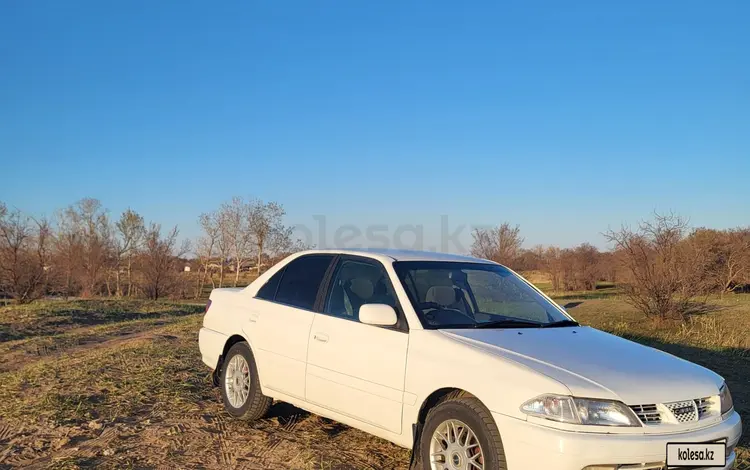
[661,276]
[530,260]
[725,255]
[609,266]
[159,262]
[24,255]
[553,266]
[501,244]
[580,267]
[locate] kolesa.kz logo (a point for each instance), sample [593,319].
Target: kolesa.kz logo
[700,455]
[696,454]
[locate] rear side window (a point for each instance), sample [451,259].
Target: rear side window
[268,291]
[301,280]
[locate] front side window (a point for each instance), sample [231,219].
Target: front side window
[301,280]
[356,283]
[474,295]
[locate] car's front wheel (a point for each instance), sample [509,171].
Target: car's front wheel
[460,434]
[240,388]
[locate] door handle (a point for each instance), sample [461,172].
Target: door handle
[322,337]
[253,318]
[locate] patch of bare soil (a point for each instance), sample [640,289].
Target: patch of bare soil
[288,438]
[143,399]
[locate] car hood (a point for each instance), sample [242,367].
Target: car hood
[595,364]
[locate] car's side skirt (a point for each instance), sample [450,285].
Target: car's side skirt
[403,439]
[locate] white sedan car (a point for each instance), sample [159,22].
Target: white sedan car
[463,361]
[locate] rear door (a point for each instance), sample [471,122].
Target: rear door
[354,368]
[282,321]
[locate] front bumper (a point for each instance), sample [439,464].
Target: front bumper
[531,447]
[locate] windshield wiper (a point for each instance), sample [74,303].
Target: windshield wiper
[508,324]
[560,324]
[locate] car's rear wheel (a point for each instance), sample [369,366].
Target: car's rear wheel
[240,388]
[460,434]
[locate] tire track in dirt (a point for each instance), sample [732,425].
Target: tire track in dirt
[271,444]
[180,437]
[291,424]
[178,428]
[50,352]
[226,453]
[6,431]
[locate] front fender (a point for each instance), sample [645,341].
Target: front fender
[437,361]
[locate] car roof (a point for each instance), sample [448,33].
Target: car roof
[403,255]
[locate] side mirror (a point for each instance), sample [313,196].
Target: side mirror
[377,314]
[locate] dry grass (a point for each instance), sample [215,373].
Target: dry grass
[138,396]
[120,384]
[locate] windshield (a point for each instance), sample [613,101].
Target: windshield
[474,295]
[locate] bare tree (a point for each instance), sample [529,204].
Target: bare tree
[160,261]
[130,232]
[661,276]
[24,255]
[237,217]
[501,244]
[68,250]
[554,264]
[484,244]
[223,242]
[269,234]
[206,249]
[87,224]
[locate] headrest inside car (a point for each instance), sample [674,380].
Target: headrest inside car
[443,295]
[362,287]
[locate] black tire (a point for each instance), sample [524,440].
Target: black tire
[256,404]
[467,409]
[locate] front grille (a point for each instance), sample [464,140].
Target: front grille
[683,411]
[703,405]
[687,411]
[648,414]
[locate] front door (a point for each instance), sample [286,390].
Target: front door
[353,368]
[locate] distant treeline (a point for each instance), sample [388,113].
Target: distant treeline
[662,265]
[82,251]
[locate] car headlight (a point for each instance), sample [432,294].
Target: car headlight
[574,410]
[726,399]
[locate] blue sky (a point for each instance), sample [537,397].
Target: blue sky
[563,117]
